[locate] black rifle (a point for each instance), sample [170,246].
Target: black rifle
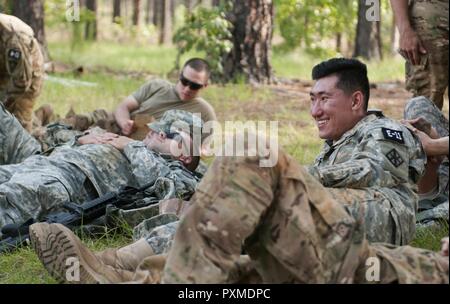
[17,235]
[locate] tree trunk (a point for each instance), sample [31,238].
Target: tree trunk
[166,29]
[158,12]
[215,3]
[252,36]
[368,38]
[149,11]
[32,13]
[136,11]
[116,11]
[90,32]
[395,43]
[338,42]
[188,4]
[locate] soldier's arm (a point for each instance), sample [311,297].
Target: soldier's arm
[122,114]
[410,44]
[375,161]
[18,68]
[145,164]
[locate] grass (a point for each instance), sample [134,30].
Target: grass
[297,131]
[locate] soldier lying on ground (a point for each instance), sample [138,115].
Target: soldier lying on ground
[367,170]
[433,187]
[21,68]
[92,165]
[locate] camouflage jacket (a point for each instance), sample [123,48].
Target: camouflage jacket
[107,168]
[377,154]
[16,41]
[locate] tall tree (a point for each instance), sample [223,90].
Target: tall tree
[188,4]
[90,32]
[149,11]
[166,26]
[158,12]
[32,13]
[252,37]
[368,35]
[116,11]
[136,11]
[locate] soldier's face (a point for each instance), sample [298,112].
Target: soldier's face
[331,108]
[158,142]
[191,83]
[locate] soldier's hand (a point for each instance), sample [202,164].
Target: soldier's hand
[127,127]
[90,138]
[444,246]
[120,142]
[411,47]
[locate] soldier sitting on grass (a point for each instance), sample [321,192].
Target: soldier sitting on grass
[297,225]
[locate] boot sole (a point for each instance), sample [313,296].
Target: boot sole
[54,244]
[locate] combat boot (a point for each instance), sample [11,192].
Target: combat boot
[68,260]
[128,257]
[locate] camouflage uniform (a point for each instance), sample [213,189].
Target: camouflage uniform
[429,18]
[359,170]
[77,173]
[437,207]
[377,164]
[291,227]
[21,68]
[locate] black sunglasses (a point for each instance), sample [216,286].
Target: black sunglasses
[192,85]
[172,135]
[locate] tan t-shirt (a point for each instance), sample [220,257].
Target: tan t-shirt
[158,96]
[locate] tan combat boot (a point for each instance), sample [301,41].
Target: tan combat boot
[68,260]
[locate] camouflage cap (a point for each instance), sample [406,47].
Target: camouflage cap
[177,120]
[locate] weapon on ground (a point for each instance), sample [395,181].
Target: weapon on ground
[17,235]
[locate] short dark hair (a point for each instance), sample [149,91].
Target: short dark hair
[351,73]
[198,64]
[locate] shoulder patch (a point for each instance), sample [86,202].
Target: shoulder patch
[393,135]
[395,158]
[14,54]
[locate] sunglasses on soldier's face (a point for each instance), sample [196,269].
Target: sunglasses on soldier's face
[192,85]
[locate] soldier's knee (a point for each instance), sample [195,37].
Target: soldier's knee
[417,106]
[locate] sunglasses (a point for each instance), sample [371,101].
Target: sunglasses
[172,135]
[192,85]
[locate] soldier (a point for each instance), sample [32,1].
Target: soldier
[286,215]
[21,68]
[154,98]
[423,27]
[97,163]
[433,187]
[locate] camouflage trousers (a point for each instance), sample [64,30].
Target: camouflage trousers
[21,104]
[423,107]
[291,227]
[430,78]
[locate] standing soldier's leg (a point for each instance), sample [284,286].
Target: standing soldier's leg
[15,143]
[430,78]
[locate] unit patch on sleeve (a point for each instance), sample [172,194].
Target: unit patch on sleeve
[393,135]
[395,158]
[14,54]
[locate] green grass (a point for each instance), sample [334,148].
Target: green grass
[297,131]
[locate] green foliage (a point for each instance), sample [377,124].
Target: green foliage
[55,15]
[309,22]
[206,30]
